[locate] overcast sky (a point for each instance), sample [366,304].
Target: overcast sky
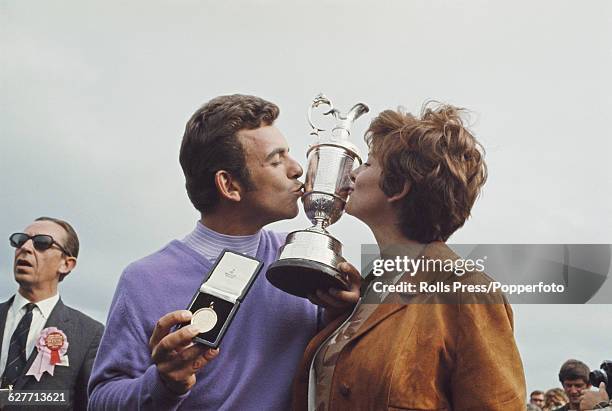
[95,95]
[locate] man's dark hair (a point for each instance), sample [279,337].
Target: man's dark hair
[72,240]
[210,144]
[574,370]
[536,392]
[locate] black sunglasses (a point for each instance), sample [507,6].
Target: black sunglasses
[41,242]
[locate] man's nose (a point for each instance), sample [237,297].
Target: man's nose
[27,246]
[295,170]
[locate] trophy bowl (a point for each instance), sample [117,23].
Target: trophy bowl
[308,263]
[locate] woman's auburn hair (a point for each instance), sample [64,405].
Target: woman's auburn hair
[440,160]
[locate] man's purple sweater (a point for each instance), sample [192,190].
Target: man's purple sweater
[258,355]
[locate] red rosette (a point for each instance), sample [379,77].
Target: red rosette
[54,341]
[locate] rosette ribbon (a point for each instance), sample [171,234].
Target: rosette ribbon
[52,344]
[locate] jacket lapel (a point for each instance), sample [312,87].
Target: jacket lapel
[4,307]
[396,301]
[57,318]
[383,311]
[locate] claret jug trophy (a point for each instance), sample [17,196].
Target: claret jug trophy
[309,258]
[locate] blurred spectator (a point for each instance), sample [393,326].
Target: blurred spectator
[554,398]
[596,400]
[537,398]
[574,376]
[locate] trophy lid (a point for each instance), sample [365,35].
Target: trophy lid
[341,131]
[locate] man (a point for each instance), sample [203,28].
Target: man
[537,398]
[574,377]
[45,253]
[240,177]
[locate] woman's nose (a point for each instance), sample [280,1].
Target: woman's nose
[353,174]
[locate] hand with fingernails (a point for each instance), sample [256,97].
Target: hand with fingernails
[176,356]
[335,301]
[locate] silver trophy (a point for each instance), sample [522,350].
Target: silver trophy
[309,258]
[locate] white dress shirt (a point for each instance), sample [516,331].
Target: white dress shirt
[40,314]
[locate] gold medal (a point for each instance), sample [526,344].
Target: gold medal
[205,318]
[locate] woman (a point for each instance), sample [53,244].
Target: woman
[415,190]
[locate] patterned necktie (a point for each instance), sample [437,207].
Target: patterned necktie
[16,359]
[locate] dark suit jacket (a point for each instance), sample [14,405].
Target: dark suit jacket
[83,334]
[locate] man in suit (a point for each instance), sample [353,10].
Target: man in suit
[45,253]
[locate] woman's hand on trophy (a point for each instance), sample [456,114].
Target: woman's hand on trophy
[337,302]
[177,358]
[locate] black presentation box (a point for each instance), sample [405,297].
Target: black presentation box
[222,291]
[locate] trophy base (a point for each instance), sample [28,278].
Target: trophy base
[300,277]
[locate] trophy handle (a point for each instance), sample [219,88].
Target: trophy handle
[343,122]
[357,111]
[319,100]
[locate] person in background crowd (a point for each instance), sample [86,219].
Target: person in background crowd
[537,398]
[554,398]
[596,400]
[574,377]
